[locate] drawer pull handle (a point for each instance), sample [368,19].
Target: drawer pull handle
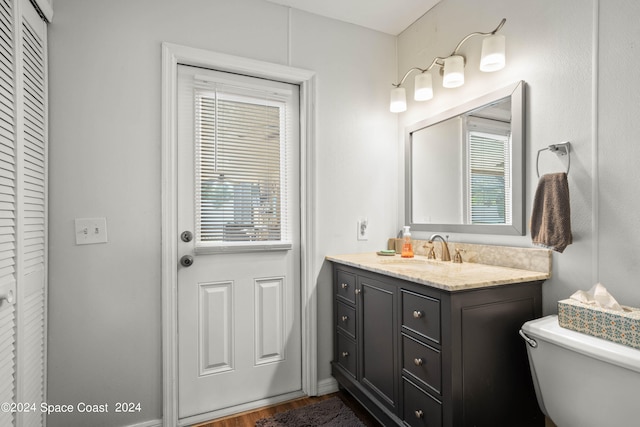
[419,413]
[357,291]
[418,361]
[344,285]
[417,314]
[345,318]
[345,354]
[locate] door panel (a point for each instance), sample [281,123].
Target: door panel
[216,327]
[379,340]
[269,320]
[239,301]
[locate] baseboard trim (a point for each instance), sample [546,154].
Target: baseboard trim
[327,386]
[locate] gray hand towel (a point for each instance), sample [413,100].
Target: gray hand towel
[551,214]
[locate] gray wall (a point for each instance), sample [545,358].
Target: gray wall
[104,312]
[618,150]
[579,65]
[105,124]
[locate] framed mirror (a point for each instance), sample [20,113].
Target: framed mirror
[464,168]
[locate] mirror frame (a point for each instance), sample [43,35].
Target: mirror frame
[517,93]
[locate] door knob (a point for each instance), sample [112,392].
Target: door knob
[186,236]
[186,261]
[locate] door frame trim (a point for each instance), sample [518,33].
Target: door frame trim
[172,55]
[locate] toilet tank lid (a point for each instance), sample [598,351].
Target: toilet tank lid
[548,329]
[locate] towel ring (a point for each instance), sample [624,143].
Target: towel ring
[561,149]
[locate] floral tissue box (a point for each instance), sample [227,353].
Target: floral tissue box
[616,326]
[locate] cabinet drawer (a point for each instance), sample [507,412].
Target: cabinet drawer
[421,314]
[346,356]
[346,286]
[420,409]
[346,319]
[422,361]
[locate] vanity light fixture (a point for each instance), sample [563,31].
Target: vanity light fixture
[451,69]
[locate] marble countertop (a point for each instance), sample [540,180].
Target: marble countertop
[448,276]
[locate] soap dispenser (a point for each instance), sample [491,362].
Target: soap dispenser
[407,247]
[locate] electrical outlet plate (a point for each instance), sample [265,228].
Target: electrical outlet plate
[363,229]
[90,231]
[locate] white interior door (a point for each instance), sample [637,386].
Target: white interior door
[238,195]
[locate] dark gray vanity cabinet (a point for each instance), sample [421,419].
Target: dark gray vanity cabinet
[415,355]
[365,340]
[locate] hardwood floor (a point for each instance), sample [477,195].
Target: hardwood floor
[247,419]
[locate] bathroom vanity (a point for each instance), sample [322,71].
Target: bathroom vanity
[428,343]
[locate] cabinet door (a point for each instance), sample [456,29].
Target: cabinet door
[495,379]
[379,340]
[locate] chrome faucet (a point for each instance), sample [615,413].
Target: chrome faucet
[445,248]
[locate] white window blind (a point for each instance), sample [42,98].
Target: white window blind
[489,174]
[241,168]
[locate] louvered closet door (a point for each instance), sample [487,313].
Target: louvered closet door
[22,209]
[7,212]
[32,214]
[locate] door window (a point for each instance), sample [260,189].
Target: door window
[241,168]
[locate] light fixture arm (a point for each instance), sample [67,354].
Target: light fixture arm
[422,70]
[455,51]
[440,61]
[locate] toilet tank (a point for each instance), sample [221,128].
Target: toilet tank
[581,380]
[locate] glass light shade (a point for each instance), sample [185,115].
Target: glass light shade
[453,71]
[493,58]
[423,87]
[398,100]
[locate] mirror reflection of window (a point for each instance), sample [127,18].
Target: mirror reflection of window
[489,171]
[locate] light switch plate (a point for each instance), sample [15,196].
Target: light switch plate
[91,230]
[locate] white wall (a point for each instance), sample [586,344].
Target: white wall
[550,47]
[438,185]
[105,70]
[356,147]
[618,150]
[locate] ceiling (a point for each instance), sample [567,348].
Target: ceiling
[389,16]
